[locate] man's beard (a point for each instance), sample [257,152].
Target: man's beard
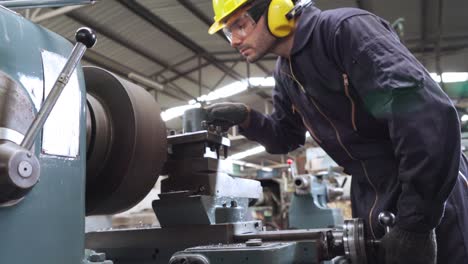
[263,49]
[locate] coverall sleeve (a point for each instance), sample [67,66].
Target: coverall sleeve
[282,131]
[422,122]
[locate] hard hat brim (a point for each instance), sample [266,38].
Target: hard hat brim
[217,26]
[219,22]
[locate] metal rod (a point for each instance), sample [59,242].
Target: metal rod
[54,13]
[222,78]
[199,77]
[187,72]
[424,28]
[145,81]
[22,4]
[285,235]
[36,13]
[174,86]
[172,66]
[62,80]
[440,16]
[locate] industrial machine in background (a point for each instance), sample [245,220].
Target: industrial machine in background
[309,203]
[86,142]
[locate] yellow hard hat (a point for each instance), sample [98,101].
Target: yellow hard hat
[222,10]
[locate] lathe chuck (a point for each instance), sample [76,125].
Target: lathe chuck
[126,143]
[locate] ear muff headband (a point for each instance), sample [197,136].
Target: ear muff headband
[278,24]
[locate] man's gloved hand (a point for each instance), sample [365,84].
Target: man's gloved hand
[227,115]
[403,247]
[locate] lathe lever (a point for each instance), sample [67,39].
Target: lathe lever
[85,38]
[387,220]
[19,167]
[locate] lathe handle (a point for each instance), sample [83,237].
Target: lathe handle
[85,38]
[387,220]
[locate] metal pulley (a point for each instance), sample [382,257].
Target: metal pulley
[126,143]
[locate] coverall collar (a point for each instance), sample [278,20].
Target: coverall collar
[305,26]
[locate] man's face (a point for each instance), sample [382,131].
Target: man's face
[252,40]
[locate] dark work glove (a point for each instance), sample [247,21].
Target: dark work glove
[403,247]
[227,115]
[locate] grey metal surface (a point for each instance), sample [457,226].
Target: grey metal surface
[230,243]
[304,252]
[202,176]
[198,136]
[17,110]
[192,120]
[93,257]
[354,241]
[49,221]
[137,149]
[16,113]
[157,245]
[172,209]
[41,117]
[286,235]
[11,135]
[303,213]
[19,172]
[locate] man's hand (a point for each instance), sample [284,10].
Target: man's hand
[403,247]
[227,115]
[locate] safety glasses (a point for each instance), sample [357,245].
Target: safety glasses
[241,25]
[240,28]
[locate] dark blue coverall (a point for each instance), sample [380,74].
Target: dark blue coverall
[369,103]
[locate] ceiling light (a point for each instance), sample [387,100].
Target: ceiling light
[450,77]
[464,118]
[251,165]
[174,112]
[262,82]
[223,92]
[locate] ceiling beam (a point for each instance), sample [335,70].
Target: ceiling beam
[114,36]
[365,4]
[189,71]
[239,59]
[428,23]
[172,32]
[200,15]
[51,14]
[170,67]
[447,39]
[120,69]
[430,51]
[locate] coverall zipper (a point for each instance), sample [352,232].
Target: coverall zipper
[353,106]
[463,177]
[309,128]
[338,137]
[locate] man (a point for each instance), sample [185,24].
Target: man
[344,76]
